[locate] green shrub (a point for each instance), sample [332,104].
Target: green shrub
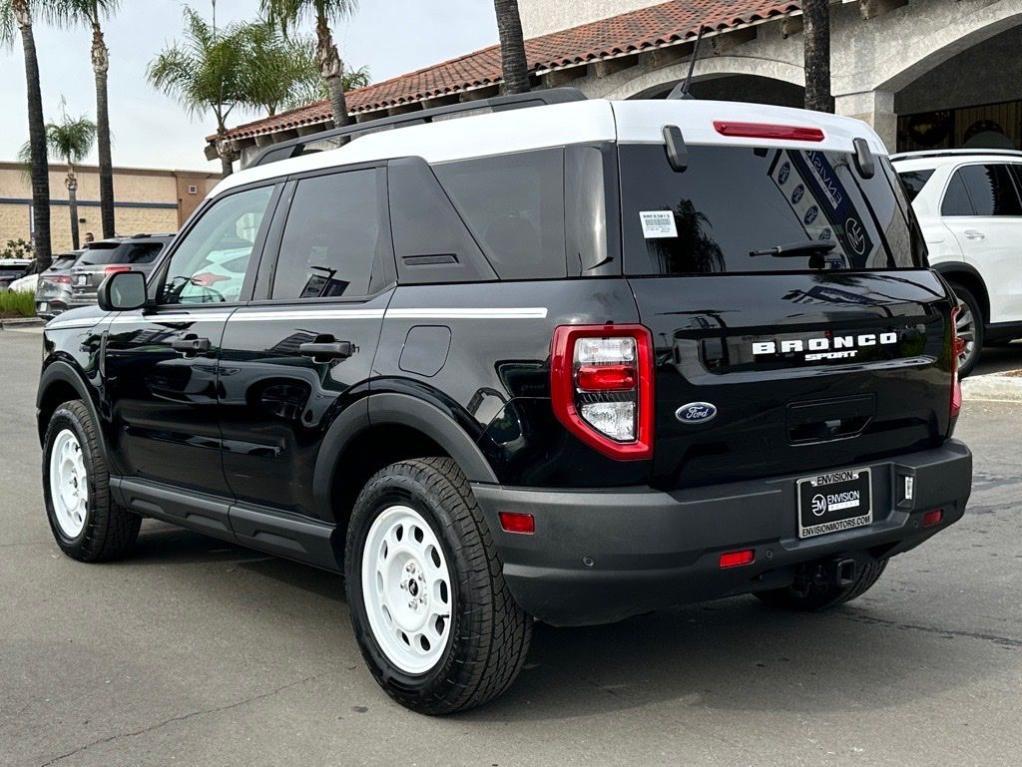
[17,304]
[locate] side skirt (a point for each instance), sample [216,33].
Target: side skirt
[264,529]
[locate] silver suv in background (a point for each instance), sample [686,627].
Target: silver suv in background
[105,257]
[53,290]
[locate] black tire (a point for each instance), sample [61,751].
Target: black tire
[815,596]
[109,531]
[489,634]
[968,363]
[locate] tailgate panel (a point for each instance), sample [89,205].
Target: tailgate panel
[806,370]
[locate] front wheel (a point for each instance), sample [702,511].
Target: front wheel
[86,522]
[431,612]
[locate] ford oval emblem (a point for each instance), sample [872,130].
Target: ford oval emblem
[696,412]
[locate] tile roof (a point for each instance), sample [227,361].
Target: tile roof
[632,32]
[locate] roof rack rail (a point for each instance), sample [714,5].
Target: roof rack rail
[919,154]
[335,137]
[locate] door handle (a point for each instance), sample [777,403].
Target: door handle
[190,345]
[327,350]
[972,234]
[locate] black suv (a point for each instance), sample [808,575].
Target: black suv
[570,362]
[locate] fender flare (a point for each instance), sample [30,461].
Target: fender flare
[62,372]
[948,269]
[401,410]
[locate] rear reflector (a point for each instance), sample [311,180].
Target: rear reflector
[766,130]
[731,559]
[517,522]
[933,518]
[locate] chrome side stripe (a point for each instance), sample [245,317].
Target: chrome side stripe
[241,315]
[309,314]
[511,313]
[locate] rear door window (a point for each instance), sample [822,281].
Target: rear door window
[990,189]
[731,203]
[334,238]
[514,206]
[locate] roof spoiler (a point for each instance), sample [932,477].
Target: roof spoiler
[335,137]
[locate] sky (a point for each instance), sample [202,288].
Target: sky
[151,130]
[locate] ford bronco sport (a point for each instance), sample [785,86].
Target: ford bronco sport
[559,360]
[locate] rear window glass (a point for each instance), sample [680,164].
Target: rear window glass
[914,181]
[122,253]
[514,207]
[733,204]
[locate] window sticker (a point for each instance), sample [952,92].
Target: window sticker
[657,224]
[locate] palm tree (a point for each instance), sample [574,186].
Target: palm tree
[71,140]
[308,89]
[205,73]
[18,13]
[90,14]
[289,13]
[816,25]
[512,47]
[277,67]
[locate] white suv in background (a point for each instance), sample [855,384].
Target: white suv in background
[969,205]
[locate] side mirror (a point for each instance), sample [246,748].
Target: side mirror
[122,291]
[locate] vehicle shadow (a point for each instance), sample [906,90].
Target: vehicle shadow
[728,656]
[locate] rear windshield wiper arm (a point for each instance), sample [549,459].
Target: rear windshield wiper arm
[796,249]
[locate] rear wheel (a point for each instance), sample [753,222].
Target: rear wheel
[86,523]
[969,326]
[431,612]
[812,591]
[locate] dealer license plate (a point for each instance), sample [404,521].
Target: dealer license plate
[830,503]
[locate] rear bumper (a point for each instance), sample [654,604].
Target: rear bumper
[599,556]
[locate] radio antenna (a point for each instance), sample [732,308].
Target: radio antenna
[680,91]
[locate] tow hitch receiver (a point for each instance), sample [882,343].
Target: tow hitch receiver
[840,572]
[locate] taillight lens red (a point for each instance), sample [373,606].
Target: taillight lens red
[60,279]
[766,130]
[957,347]
[115,268]
[601,387]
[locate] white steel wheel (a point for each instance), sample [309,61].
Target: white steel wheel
[69,483]
[406,588]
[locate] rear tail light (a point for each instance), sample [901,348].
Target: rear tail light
[957,347]
[768,131]
[115,268]
[60,279]
[601,387]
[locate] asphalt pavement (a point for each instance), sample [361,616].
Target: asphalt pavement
[195,652]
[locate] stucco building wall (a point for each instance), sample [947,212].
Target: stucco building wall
[152,201]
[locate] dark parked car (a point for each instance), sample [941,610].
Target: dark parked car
[105,257]
[566,363]
[53,291]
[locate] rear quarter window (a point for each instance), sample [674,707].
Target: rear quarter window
[514,206]
[914,181]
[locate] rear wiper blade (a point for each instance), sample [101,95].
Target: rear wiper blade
[796,249]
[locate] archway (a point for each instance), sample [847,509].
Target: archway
[972,99]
